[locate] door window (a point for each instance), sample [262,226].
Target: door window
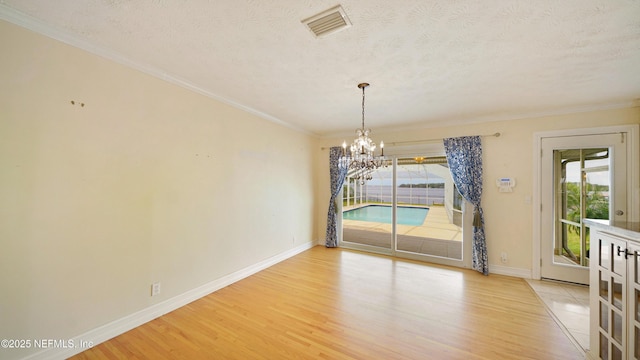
[583,187]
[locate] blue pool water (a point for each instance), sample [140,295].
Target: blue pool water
[382,214]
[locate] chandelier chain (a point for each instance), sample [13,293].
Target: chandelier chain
[363,107]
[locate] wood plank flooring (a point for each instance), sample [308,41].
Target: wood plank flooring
[342,304]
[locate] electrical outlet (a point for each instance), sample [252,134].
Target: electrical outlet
[155,289]
[503,257]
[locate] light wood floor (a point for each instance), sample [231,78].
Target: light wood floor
[342,304]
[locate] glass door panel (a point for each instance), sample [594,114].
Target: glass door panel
[583,180]
[427,221]
[367,209]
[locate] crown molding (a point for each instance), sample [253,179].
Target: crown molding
[28,22]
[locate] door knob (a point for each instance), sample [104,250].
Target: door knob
[619,212]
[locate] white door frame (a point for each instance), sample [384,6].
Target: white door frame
[633,186]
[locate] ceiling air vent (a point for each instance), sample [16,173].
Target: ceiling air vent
[328,22]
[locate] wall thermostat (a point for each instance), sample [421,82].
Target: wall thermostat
[506,184]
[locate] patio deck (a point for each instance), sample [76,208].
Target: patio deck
[436,236]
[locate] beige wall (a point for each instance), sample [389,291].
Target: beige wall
[147,182]
[508,216]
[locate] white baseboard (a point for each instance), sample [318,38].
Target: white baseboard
[120,326]
[510,271]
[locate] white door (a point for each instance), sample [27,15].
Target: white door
[582,176]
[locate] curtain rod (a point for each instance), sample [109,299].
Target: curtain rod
[415,142]
[430,140]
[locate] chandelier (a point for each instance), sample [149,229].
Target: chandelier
[360,159]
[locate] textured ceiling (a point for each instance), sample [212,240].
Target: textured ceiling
[429,62]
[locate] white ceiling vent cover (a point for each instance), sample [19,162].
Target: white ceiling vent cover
[328,22]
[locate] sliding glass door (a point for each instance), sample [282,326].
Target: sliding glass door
[409,209]
[367,217]
[427,222]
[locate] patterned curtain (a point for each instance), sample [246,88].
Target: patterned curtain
[464,156]
[338,174]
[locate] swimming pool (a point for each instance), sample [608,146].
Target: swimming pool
[379,213]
